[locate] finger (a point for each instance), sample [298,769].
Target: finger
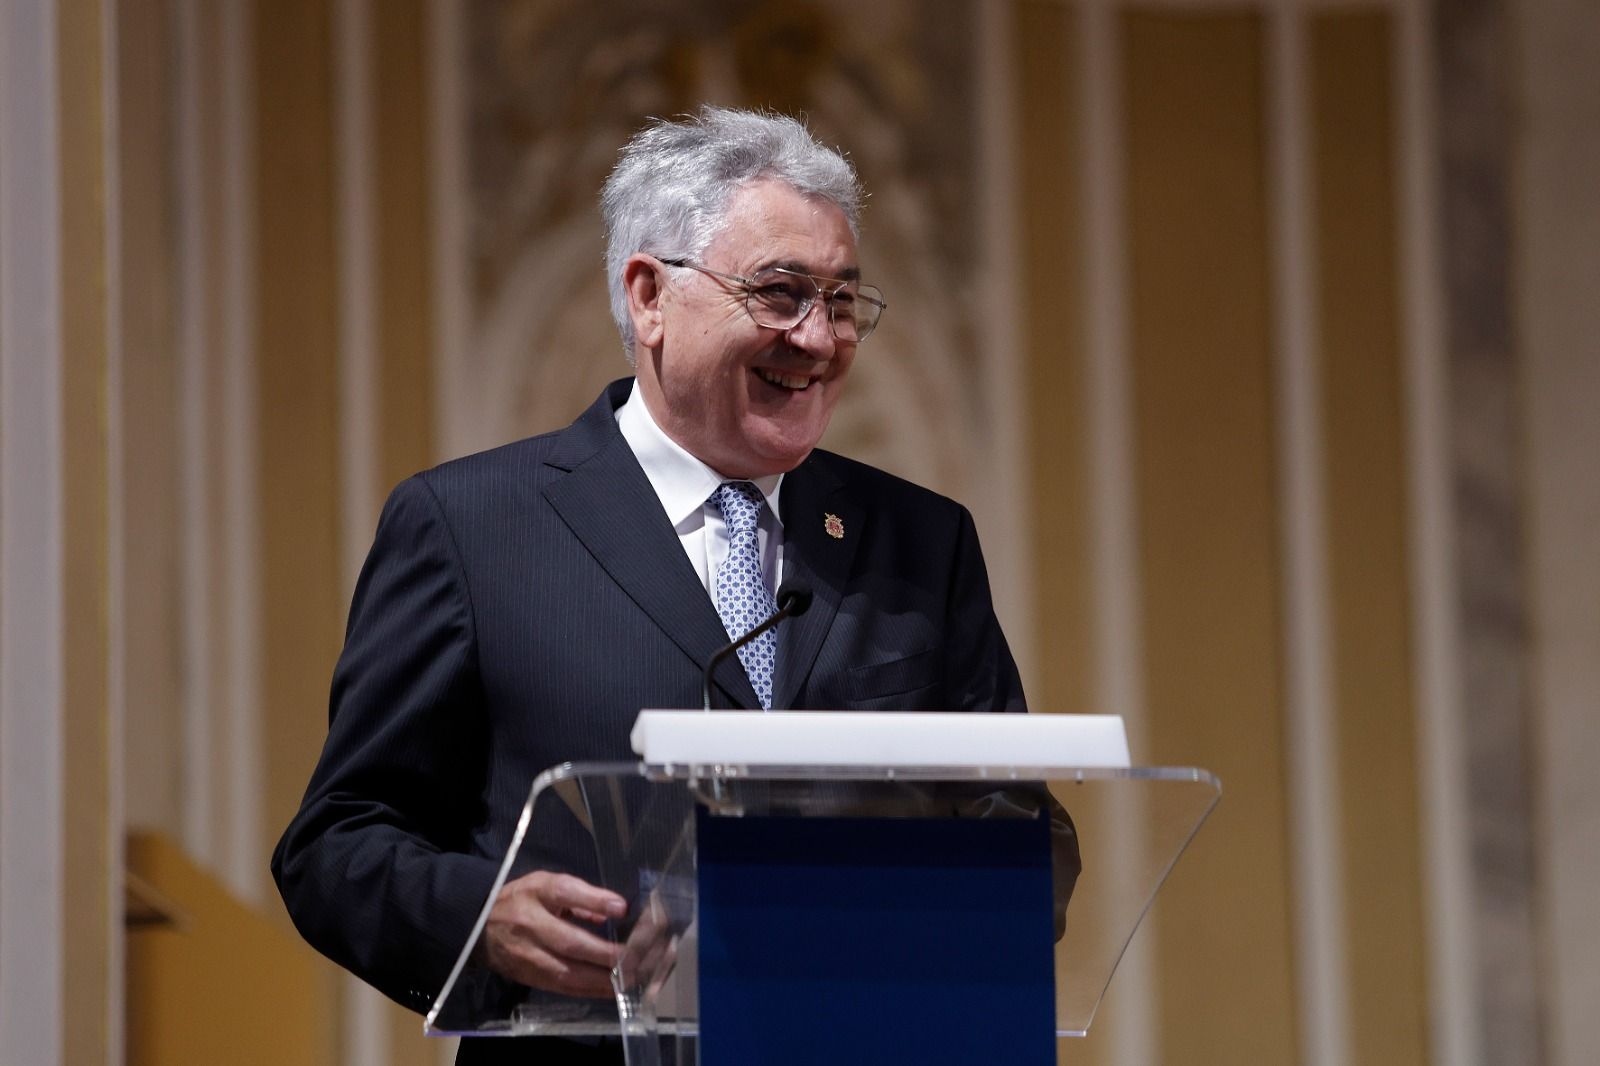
[539,968]
[543,890]
[520,923]
[564,892]
[569,941]
[513,952]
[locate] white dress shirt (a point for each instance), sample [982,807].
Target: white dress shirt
[684,485]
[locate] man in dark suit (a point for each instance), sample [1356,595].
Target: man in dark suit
[520,606]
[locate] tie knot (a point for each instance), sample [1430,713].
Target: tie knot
[741,505]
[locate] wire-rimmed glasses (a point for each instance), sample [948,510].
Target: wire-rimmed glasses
[778,298]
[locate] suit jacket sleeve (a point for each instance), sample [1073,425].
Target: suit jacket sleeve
[375,868]
[980,674]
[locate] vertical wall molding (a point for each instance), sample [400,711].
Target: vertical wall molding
[1109,418]
[193,291]
[151,658]
[1452,961]
[116,560]
[1320,968]
[451,272]
[358,310]
[1118,652]
[32,1007]
[364,1022]
[246,858]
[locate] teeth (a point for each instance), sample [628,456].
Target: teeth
[787,381]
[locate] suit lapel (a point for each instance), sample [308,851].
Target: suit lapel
[821,527]
[608,503]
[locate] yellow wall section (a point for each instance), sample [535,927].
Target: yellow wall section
[89,879]
[404,239]
[1352,123]
[1208,525]
[1052,301]
[301,593]
[302,589]
[189,998]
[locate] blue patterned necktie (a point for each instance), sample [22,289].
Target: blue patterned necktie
[743,601]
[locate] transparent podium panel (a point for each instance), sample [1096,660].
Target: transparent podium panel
[1113,837]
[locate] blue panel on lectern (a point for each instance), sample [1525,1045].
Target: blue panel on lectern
[875,940]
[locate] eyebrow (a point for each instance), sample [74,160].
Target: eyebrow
[848,274]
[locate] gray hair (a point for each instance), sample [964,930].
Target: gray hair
[669,193]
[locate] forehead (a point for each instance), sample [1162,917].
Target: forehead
[769,222]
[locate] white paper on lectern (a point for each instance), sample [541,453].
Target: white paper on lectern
[895,739]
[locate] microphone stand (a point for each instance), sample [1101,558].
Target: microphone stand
[792,602]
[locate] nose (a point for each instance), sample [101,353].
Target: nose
[813,334]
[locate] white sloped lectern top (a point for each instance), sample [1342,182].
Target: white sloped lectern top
[881,739]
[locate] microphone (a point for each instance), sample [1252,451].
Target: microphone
[793,601]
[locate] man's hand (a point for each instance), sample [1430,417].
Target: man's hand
[533,936]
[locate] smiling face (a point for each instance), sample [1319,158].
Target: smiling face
[746,400]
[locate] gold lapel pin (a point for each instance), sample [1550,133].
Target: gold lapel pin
[833,526]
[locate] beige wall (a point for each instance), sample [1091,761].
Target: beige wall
[1228,483]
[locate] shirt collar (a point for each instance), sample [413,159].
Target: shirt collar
[682,482]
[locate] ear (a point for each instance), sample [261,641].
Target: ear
[644,280]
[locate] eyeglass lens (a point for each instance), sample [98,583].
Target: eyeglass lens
[779,299]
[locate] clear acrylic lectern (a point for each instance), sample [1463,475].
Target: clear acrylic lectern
[1107,836]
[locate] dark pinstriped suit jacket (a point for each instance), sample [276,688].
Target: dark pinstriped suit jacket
[517,610]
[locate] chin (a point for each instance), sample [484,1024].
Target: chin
[764,458]
[784,449]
